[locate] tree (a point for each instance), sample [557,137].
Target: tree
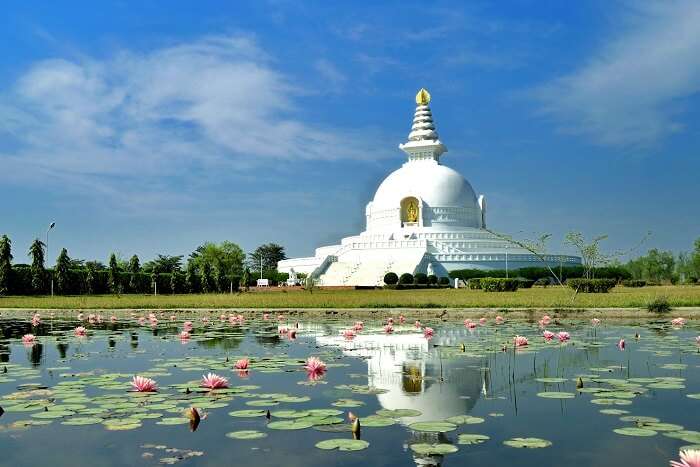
[205,274]
[90,277]
[36,251]
[227,255]
[270,254]
[245,279]
[134,270]
[5,264]
[191,282]
[591,254]
[164,264]
[695,259]
[655,266]
[217,277]
[61,271]
[536,247]
[113,277]
[154,281]
[174,282]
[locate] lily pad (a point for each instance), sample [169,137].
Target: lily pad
[556,395]
[530,443]
[399,413]
[472,438]
[465,420]
[343,444]
[634,431]
[246,434]
[435,427]
[294,424]
[438,449]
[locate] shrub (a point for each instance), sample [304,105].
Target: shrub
[542,282]
[420,278]
[406,278]
[474,283]
[591,285]
[659,305]
[444,281]
[691,280]
[432,279]
[634,283]
[524,283]
[499,284]
[390,278]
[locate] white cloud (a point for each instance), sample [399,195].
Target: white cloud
[217,105]
[631,92]
[331,74]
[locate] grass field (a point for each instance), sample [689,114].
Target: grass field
[552,297]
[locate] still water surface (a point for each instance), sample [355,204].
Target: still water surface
[49,389]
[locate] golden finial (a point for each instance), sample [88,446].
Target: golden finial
[423,97]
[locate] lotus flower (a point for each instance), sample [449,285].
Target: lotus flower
[428,332]
[621,344]
[80,331]
[595,321]
[351,416]
[563,336]
[499,319]
[388,329]
[240,318]
[390,321]
[232,320]
[678,321]
[418,325]
[520,341]
[266,316]
[546,319]
[292,333]
[184,335]
[29,339]
[214,381]
[471,325]
[80,317]
[349,334]
[36,320]
[689,458]
[142,384]
[205,320]
[402,319]
[242,364]
[113,319]
[280,317]
[315,367]
[187,325]
[173,317]
[223,317]
[482,321]
[141,320]
[697,340]
[359,326]
[91,318]
[548,335]
[282,330]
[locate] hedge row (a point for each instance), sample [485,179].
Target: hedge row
[591,285]
[634,283]
[611,272]
[391,279]
[498,284]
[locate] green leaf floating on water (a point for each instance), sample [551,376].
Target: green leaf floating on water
[551,380]
[399,413]
[435,427]
[294,424]
[248,413]
[433,449]
[472,438]
[78,421]
[613,411]
[693,396]
[290,413]
[530,443]
[633,431]
[246,434]
[347,403]
[376,421]
[556,395]
[639,419]
[658,426]
[465,420]
[343,444]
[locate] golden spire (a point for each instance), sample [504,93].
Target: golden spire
[423,97]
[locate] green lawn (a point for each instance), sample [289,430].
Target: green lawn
[552,297]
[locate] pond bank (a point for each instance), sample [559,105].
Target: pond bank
[380,313]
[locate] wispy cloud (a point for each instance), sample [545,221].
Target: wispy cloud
[631,92]
[332,76]
[214,106]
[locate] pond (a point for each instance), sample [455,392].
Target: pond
[465,395]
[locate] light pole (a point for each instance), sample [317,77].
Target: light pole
[51,226]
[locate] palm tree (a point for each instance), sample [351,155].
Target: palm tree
[61,271]
[36,251]
[113,274]
[134,269]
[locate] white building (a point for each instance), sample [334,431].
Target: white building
[424,217]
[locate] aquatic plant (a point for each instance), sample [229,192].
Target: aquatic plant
[315,367]
[428,332]
[187,326]
[563,336]
[678,321]
[659,305]
[242,364]
[213,381]
[418,325]
[500,319]
[688,458]
[595,321]
[349,334]
[184,335]
[143,384]
[546,319]
[483,321]
[36,320]
[29,339]
[548,335]
[402,319]
[621,344]
[80,331]
[359,325]
[520,341]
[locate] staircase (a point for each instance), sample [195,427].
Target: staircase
[369,273]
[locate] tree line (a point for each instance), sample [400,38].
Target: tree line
[211,267]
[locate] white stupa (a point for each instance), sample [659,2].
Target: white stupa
[424,217]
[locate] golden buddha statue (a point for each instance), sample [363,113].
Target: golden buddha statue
[412,212]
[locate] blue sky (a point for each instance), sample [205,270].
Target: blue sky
[145,128]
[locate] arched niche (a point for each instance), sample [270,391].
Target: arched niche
[410,211]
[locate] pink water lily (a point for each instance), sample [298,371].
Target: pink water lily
[80,317]
[80,331]
[315,367]
[292,334]
[418,324]
[548,335]
[143,384]
[499,319]
[520,341]
[428,332]
[29,339]
[173,317]
[266,316]
[113,319]
[242,364]
[621,344]
[563,336]
[402,319]
[349,334]
[546,319]
[36,320]
[187,326]
[697,340]
[282,329]
[483,321]
[359,325]
[689,458]
[184,335]
[388,329]
[595,321]
[678,321]
[214,381]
